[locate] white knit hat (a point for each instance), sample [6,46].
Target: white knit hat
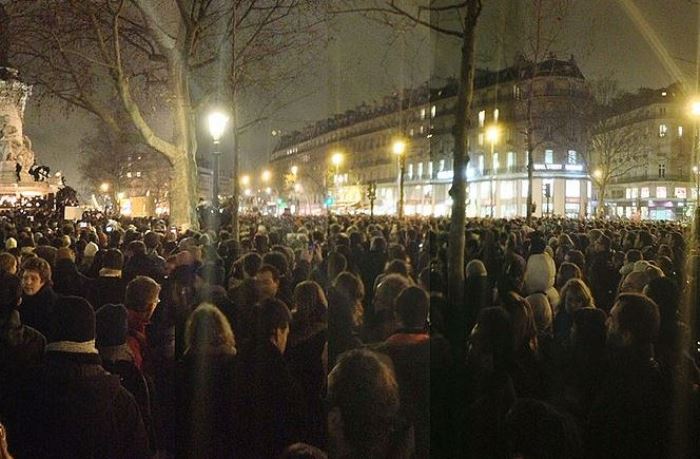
[10,243]
[90,249]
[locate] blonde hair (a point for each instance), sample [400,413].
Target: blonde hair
[579,288]
[208,329]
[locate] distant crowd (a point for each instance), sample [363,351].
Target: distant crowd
[313,337]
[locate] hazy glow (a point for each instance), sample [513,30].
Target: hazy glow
[492,134]
[217,125]
[399,147]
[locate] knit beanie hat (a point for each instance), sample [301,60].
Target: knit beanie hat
[72,319]
[90,249]
[10,243]
[112,325]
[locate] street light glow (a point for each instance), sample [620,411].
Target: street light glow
[217,125]
[294,170]
[266,175]
[695,108]
[104,187]
[399,147]
[597,173]
[492,134]
[245,180]
[337,159]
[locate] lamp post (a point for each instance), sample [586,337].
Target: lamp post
[492,134]
[217,125]
[336,160]
[399,149]
[695,113]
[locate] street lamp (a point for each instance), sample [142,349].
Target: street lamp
[266,175]
[695,113]
[217,125]
[399,149]
[492,134]
[104,187]
[245,180]
[294,170]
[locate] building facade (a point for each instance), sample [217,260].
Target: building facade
[542,105]
[662,184]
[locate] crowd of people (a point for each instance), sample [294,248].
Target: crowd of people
[313,337]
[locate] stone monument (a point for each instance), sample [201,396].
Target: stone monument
[16,154]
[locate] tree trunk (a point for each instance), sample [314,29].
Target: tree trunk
[183,192]
[601,200]
[458,191]
[236,190]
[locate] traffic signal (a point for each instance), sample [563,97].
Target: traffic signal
[547,190]
[329,201]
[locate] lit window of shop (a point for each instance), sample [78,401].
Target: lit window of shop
[644,193]
[660,191]
[482,118]
[549,156]
[573,189]
[680,193]
[663,130]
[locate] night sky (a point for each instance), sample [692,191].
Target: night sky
[360,61]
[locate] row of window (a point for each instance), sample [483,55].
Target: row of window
[661,193]
[506,189]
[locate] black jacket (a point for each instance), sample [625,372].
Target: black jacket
[73,408]
[143,265]
[67,280]
[106,290]
[35,309]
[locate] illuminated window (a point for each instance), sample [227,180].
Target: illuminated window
[549,156]
[663,130]
[480,162]
[680,131]
[510,160]
[138,174]
[441,165]
[420,170]
[482,118]
[573,189]
[523,188]
[571,157]
[410,171]
[635,193]
[681,193]
[481,139]
[422,113]
[485,189]
[430,169]
[128,174]
[507,190]
[433,111]
[660,191]
[496,163]
[644,192]
[496,112]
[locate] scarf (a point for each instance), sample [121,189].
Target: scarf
[72,347]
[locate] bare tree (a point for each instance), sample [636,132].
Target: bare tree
[457,19]
[613,152]
[163,60]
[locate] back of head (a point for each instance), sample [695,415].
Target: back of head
[636,318]
[387,291]
[209,332]
[349,285]
[136,248]
[112,325]
[665,293]
[251,264]
[278,260]
[542,312]
[476,268]
[412,306]
[65,253]
[141,291]
[72,319]
[151,239]
[397,266]
[493,335]
[113,259]
[364,391]
[310,300]
[8,263]
[272,315]
[589,329]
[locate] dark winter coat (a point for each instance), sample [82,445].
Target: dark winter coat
[143,265]
[21,347]
[207,416]
[67,280]
[73,408]
[35,309]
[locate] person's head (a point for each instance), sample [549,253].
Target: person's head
[567,270]
[589,330]
[634,321]
[141,297]
[278,260]
[310,301]
[387,291]
[576,295]
[273,323]
[412,307]
[633,256]
[136,248]
[151,240]
[65,253]
[542,312]
[522,320]
[634,282]
[10,292]
[36,273]
[8,263]
[72,319]
[267,281]
[209,332]
[113,259]
[251,263]
[576,257]
[665,293]
[112,325]
[476,268]
[337,263]
[364,401]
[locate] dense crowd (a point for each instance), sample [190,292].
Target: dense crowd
[303,339]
